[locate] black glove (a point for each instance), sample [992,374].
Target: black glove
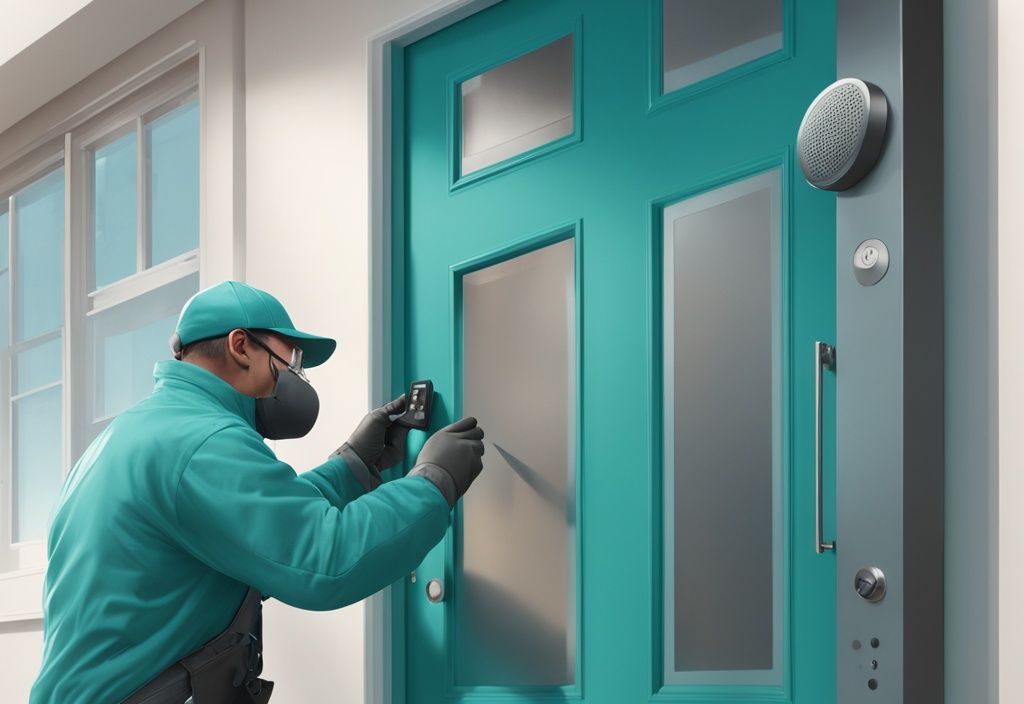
[451,458]
[378,441]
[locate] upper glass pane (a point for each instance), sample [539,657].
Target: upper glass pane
[129,339]
[5,280]
[5,231]
[38,471]
[173,159]
[516,593]
[724,566]
[115,210]
[39,366]
[517,106]
[39,257]
[702,38]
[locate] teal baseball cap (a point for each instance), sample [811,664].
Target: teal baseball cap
[218,310]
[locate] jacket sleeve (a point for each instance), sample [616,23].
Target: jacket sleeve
[246,514]
[342,478]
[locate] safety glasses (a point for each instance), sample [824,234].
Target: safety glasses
[296,362]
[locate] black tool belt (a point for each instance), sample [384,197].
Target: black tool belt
[224,671]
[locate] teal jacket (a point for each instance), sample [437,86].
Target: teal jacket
[177,507]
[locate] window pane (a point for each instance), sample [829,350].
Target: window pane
[5,281]
[5,225]
[38,472]
[129,339]
[38,366]
[722,497]
[517,106]
[173,158]
[701,38]
[516,599]
[115,209]
[39,257]
[128,361]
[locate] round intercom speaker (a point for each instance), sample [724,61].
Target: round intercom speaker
[841,134]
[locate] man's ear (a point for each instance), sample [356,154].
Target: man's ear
[238,348]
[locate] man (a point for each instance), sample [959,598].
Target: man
[179,507]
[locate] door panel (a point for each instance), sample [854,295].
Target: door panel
[629,308]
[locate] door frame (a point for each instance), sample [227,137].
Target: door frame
[384,625]
[911,307]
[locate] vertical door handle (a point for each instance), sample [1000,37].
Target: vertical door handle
[824,358]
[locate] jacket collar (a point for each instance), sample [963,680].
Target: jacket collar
[193,378]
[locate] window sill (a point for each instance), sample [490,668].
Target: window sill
[142,282]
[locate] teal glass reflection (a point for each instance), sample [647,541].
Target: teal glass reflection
[5,281]
[38,366]
[39,257]
[37,472]
[128,339]
[5,224]
[115,209]
[173,159]
[126,361]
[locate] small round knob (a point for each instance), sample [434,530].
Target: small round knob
[435,591]
[870,584]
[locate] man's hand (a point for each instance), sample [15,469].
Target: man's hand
[452,458]
[379,442]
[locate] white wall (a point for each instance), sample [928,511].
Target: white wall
[24,23]
[307,221]
[1011,342]
[47,47]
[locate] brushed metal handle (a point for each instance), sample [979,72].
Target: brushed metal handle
[824,358]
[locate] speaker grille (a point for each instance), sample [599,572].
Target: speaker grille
[841,135]
[833,132]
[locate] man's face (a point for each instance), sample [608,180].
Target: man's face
[264,378]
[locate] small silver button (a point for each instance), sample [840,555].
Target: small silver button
[870,262]
[435,591]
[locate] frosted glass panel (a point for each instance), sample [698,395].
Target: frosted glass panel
[37,462]
[173,158]
[5,281]
[129,340]
[702,38]
[722,444]
[115,209]
[517,106]
[39,257]
[38,366]
[515,598]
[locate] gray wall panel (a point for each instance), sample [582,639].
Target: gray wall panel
[889,432]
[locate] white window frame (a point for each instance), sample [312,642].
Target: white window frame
[174,88]
[161,88]
[22,558]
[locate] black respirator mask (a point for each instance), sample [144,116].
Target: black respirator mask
[291,410]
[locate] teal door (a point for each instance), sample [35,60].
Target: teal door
[605,251]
